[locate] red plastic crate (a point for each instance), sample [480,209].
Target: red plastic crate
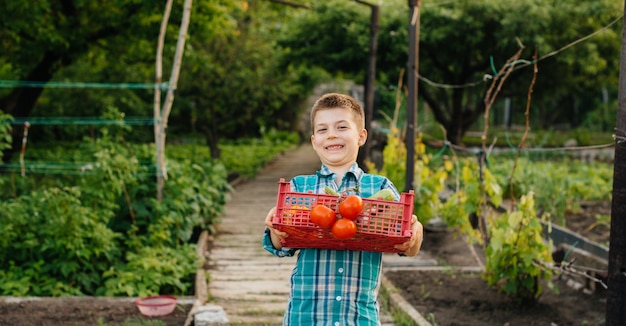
[380,226]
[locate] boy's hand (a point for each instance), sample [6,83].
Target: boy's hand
[412,247]
[276,235]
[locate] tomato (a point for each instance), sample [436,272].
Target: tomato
[323,216]
[351,207]
[344,228]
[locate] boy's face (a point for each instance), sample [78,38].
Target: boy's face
[336,137]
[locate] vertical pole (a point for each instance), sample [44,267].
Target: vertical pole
[371,73]
[157,99]
[616,298]
[411,116]
[370,81]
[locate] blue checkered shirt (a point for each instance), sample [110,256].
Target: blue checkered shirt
[334,287]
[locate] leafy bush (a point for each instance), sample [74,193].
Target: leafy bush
[100,231]
[5,132]
[54,244]
[243,157]
[515,251]
[429,175]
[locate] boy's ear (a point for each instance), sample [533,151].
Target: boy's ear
[362,137]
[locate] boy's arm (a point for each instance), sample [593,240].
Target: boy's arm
[275,235]
[412,247]
[272,237]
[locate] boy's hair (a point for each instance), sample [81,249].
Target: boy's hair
[341,101]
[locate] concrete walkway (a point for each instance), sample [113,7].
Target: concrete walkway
[251,285]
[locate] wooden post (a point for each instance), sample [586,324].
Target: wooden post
[370,80]
[413,71]
[616,293]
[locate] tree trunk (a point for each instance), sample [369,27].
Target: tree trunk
[157,100]
[169,99]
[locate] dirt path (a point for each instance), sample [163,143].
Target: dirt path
[250,284]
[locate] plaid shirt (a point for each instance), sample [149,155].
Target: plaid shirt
[334,287]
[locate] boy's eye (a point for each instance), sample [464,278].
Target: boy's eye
[321,130]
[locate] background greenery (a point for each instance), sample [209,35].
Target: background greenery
[82,218]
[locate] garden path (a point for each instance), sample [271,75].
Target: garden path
[251,285]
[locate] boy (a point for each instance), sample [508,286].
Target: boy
[336,287]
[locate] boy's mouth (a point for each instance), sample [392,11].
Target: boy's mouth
[334,147]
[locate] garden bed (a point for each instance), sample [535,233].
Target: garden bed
[87,311]
[450,296]
[447,297]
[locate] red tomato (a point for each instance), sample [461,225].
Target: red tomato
[344,228]
[323,216]
[351,207]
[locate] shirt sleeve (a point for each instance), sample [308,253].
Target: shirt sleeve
[267,245]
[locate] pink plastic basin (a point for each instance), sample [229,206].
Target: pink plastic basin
[159,305]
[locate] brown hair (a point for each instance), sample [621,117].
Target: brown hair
[339,101]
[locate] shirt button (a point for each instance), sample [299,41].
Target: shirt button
[340,270]
[337,323]
[338,298]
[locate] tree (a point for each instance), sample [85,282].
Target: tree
[461,43]
[234,87]
[43,37]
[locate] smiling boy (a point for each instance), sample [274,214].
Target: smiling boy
[336,287]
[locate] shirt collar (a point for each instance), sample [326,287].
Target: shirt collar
[355,170]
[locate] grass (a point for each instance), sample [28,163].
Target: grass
[400,318]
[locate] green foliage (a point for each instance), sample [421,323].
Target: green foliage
[106,235]
[476,189]
[232,90]
[195,196]
[429,176]
[152,270]
[461,43]
[5,132]
[100,230]
[394,160]
[54,226]
[516,252]
[558,185]
[242,157]
[339,25]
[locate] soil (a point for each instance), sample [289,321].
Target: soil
[83,311]
[454,297]
[449,297]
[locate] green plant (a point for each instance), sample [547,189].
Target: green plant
[515,253]
[243,157]
[99,231]
[142,322]
[54,226]
[431,319]
[151,271]
[5,132]
[400,318]
[429,175]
